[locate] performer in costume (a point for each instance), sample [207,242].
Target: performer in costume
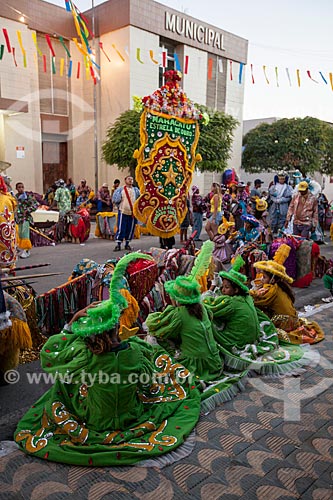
[246,336]
[121,413]
[188,320]
[23,218]
[276,298]
[8,203]
[249,232]
[124,198]
[222,241]
[14,332]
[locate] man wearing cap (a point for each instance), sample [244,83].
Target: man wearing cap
[280,195]
[256,190]
[304,208]
[124,197]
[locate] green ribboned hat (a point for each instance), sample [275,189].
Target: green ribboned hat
[105,316]
[235,276]
[186,289]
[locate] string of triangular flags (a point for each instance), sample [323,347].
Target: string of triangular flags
[64,66]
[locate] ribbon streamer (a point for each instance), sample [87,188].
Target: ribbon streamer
[119,54]
[321,74]
[13,51]
[61,40]
[210,68]
[240,75]
[252,75]
[277,76]
[230,69]
[2,49]
[138,55]
[53,66]
[220,65]
[186,65]
[164,59]
[151,54]
[62,65]
[264,69]
[48,40]
[177,63]
[34,38]
[298,77]
[78,69]
[5,34]
[309,75]
[68,8]
[331,80]
[44,63]
[288,75]
[102,49]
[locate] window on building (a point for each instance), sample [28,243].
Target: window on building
[169,48]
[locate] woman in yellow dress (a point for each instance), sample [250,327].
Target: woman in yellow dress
[215,218]
[8,203]
[275,297]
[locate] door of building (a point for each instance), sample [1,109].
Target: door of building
[54,162]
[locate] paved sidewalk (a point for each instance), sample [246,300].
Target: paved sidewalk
[244,449]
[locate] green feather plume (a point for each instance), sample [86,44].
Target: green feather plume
[238,263]
[201,263]
[105,316]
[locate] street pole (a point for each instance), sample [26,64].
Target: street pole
[95,103]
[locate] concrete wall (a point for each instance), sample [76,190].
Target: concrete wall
[23,129]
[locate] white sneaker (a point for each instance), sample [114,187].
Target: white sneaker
[25,254]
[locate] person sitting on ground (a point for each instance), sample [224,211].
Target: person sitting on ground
[187,325]
[275,297]
[245,336]
[83,200]
[108,405]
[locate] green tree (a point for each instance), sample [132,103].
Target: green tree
[123,137]
[305,144]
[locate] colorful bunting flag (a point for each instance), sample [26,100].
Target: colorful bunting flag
[186,65]
[151,54]
[48,41]
[288,75]
[220,64]
[61,40]
[2,49]
[177,63]
[78,69]
[102,49]
[241,66]
[34,38]
[5,34]
[70,67]
[277,76]
[210,68]
[164,59]
[331,80]
[119,54]
[13,51]
[252,75]
[138,55]
[264,69]
[298,77]
[62,65]
[230,69]
[44,63]
[19,37]
[321,74]
[309,75]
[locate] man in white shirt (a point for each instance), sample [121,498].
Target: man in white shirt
[124,197]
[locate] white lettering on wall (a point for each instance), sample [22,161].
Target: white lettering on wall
[193,31]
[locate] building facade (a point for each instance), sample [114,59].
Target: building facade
[53,124]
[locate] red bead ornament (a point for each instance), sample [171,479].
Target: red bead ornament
[46,455]
[186,407]
[63,338]
[47,350]
[160,448]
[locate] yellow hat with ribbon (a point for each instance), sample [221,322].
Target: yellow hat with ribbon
[276,266]
[225,226]
[261,204]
